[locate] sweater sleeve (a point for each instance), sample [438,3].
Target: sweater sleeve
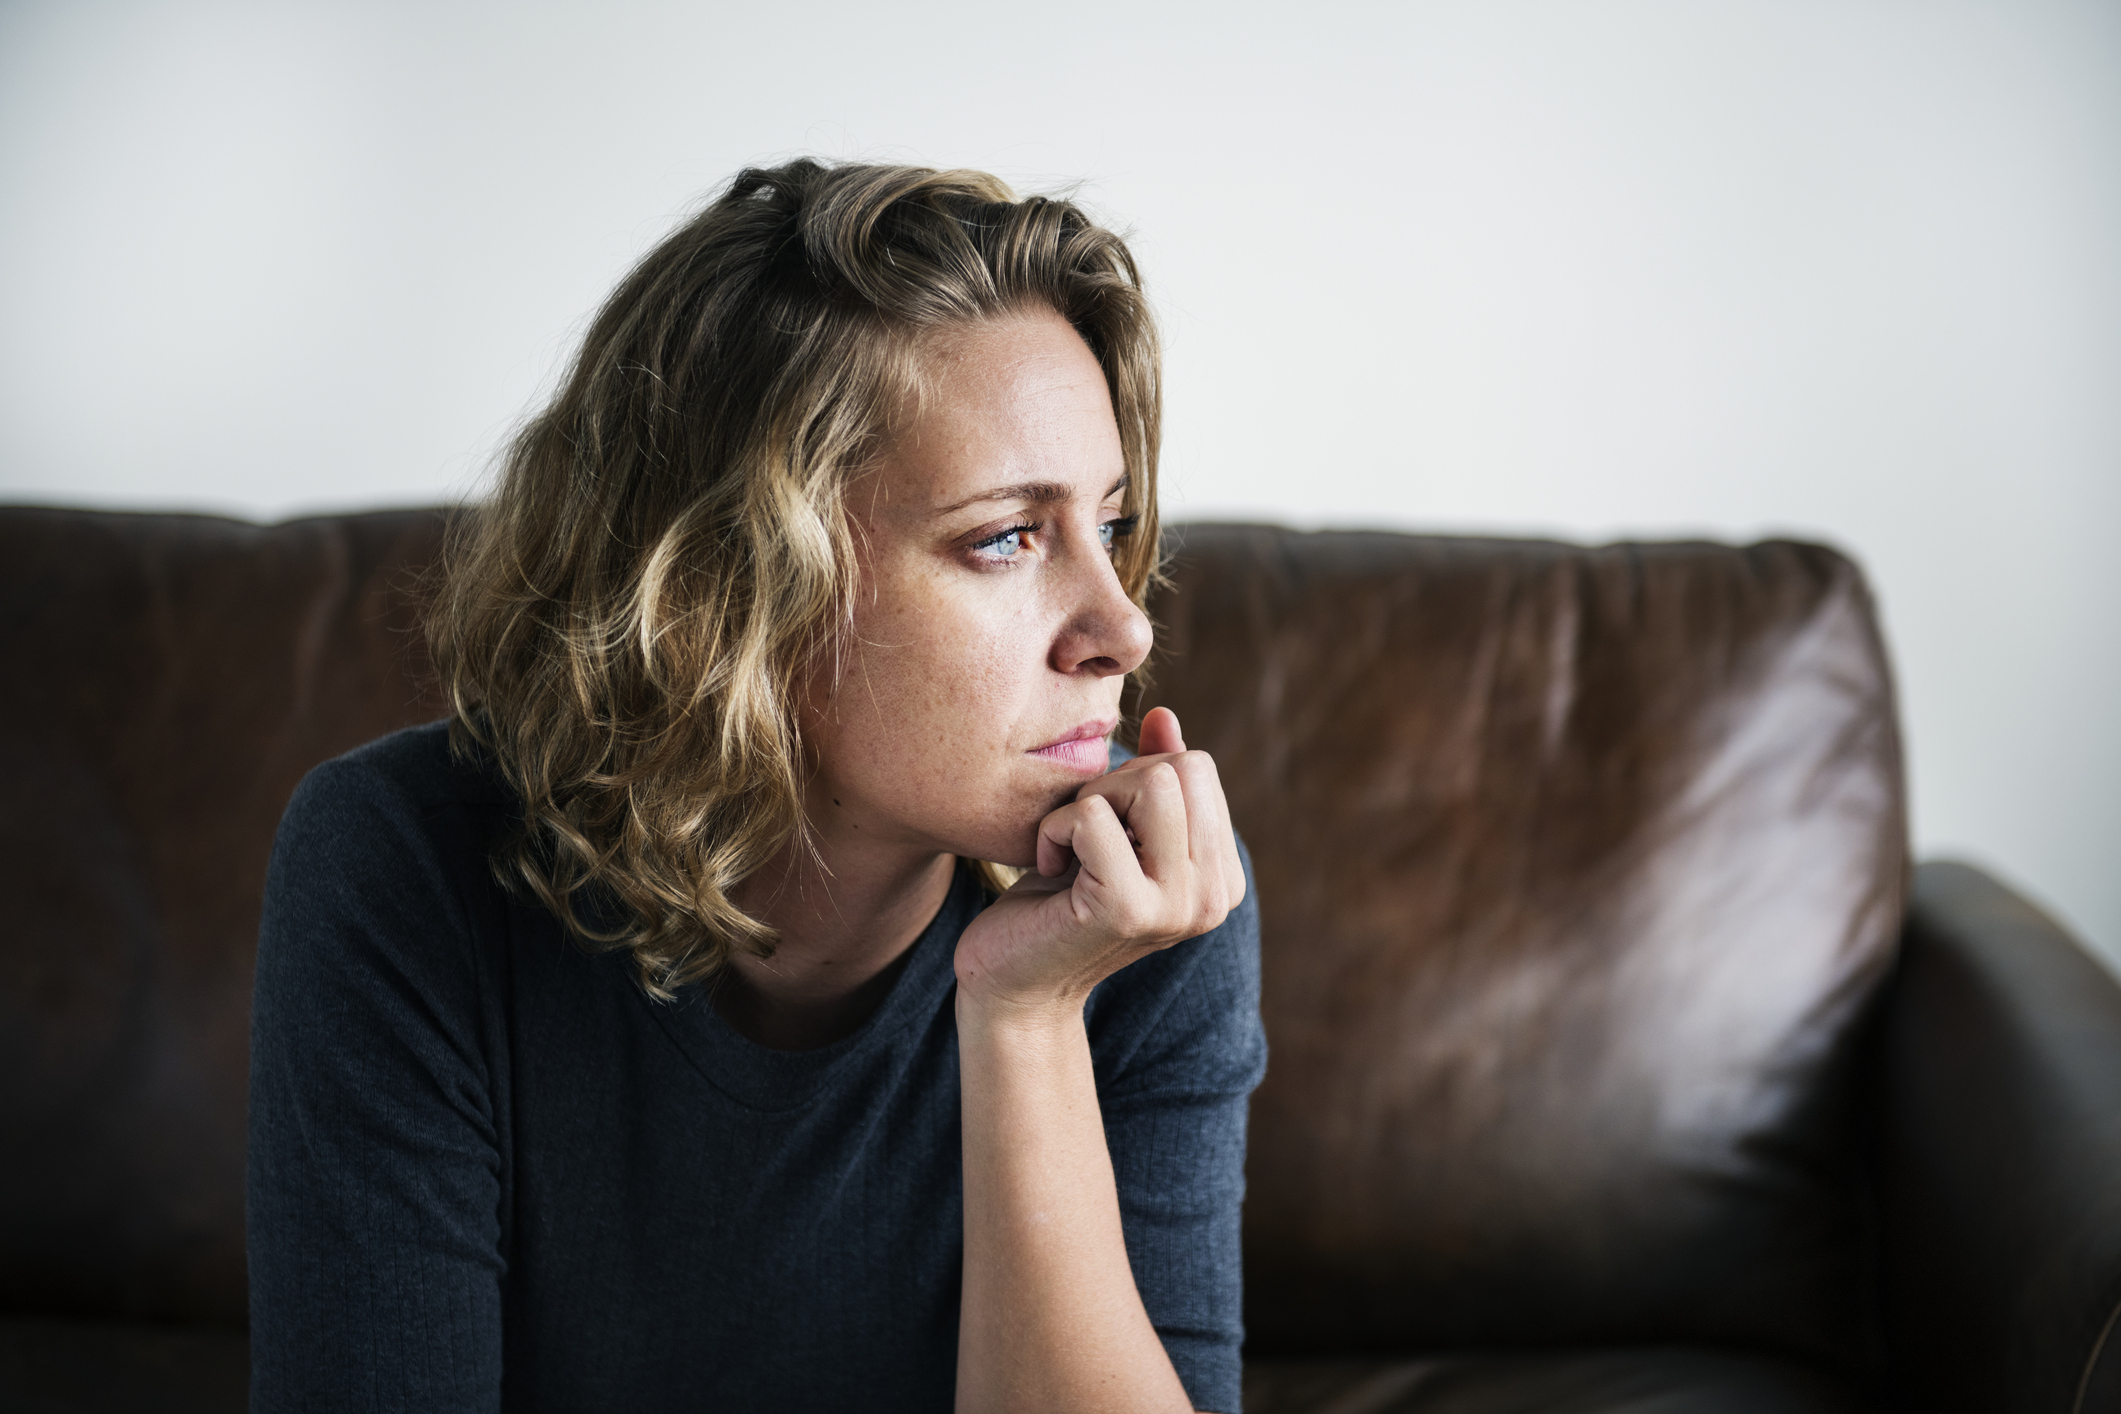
[1178,1048]
[374,1171]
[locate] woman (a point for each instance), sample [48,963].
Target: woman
[646,1036]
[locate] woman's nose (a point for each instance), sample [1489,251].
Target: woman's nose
[1105,632]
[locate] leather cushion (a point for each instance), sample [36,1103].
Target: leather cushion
[169,679]
[1576,868]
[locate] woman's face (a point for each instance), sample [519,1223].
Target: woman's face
[992,636]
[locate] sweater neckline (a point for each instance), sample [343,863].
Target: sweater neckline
[761,1078]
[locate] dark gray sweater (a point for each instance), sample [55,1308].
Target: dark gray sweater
[487,1172]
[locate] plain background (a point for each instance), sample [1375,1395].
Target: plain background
[1845,269]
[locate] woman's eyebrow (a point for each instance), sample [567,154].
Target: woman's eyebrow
[1038,493]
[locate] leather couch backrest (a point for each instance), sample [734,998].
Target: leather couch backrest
[167,680]
[1576,867]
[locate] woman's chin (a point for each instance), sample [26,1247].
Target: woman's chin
[1018,854]
[1006,830]
[1014,844]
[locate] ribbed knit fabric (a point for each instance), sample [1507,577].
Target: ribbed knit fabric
[487,1172]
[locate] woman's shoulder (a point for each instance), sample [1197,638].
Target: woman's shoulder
[378,955]
[404,821]
[418,770]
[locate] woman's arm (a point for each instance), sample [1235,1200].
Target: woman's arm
[1051,1318]
[374,1187]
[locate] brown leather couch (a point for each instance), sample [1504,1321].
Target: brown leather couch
[1611,1069]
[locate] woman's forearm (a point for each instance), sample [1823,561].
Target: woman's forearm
[1050,1319]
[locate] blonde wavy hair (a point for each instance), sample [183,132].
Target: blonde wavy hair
[624,626]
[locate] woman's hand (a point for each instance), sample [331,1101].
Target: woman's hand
[1049,1318]
[1143,857]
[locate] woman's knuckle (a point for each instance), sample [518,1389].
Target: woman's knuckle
[1130,919]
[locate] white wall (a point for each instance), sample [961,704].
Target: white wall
[1849,269]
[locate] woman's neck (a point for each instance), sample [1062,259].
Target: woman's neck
[846,922]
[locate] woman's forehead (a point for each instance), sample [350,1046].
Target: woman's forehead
[1013,409]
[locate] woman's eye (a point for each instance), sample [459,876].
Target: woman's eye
[1113,531]
[1005,545]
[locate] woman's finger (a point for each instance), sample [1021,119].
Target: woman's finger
[1206,816]
[1149,798]
[1110,876]
[1056,839]
[1157,818]
[1210,838]
[1160,735]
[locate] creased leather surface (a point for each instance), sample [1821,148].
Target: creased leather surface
[1576,867]
[168,681]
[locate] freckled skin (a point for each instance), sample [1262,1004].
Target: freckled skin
[966,659]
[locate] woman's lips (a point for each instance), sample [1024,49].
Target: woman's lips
[1087,750]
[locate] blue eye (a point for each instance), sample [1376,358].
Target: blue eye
[1114,531]
[1005,545]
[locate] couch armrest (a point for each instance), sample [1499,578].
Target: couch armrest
[2000,1156]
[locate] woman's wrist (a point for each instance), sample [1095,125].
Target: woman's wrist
[983,1014]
